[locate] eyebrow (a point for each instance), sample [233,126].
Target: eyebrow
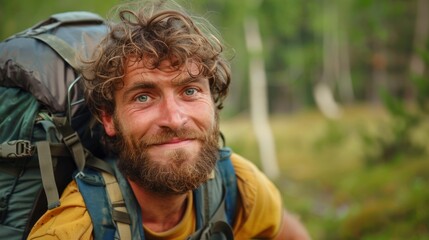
[139,85]
[187,80]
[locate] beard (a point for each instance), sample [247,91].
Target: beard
[184,170]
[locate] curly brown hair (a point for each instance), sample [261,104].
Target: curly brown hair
[155,30]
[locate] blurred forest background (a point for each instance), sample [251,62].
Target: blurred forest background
[345,86]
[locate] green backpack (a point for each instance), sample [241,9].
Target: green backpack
[45,130]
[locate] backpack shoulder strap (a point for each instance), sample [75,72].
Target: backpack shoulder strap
[92,188]
[119,210]
[229,180]
[215,201]
[109,201]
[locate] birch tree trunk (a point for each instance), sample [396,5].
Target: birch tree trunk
[323,90]
[259,99]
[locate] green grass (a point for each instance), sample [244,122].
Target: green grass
[327,181]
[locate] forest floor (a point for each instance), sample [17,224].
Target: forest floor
[330,179]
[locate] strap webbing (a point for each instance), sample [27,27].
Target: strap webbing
[72,141]
[59,150]
[230,181]
[61,47]
[119,210]
[47,171]
[75,146]
[96,163]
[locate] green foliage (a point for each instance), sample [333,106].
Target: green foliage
[422,88]
[326,181]
[332,136]
[389,208]
[396,140]
[400,136]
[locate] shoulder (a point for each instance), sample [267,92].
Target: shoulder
[260,206]
[251,181]
[244,167]
[68,221]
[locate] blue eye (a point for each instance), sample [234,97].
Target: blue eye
[190,91]
[142,98]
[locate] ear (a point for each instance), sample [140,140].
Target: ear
[108,124]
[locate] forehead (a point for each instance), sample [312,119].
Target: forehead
[144,67]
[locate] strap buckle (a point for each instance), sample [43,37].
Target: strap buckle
[16,149]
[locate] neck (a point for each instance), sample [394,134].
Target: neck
[160,212]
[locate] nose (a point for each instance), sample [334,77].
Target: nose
[172,114]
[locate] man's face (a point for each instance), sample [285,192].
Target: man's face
[166,124]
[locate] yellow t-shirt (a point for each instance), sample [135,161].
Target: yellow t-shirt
[259,211]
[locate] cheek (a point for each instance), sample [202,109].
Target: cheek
[137,124]
[205,115]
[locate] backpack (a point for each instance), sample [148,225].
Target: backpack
[45,131]
[115,213]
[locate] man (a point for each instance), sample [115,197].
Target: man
[157,84]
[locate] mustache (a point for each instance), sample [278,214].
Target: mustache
[166,134]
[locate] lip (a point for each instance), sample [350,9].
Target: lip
[175,142]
